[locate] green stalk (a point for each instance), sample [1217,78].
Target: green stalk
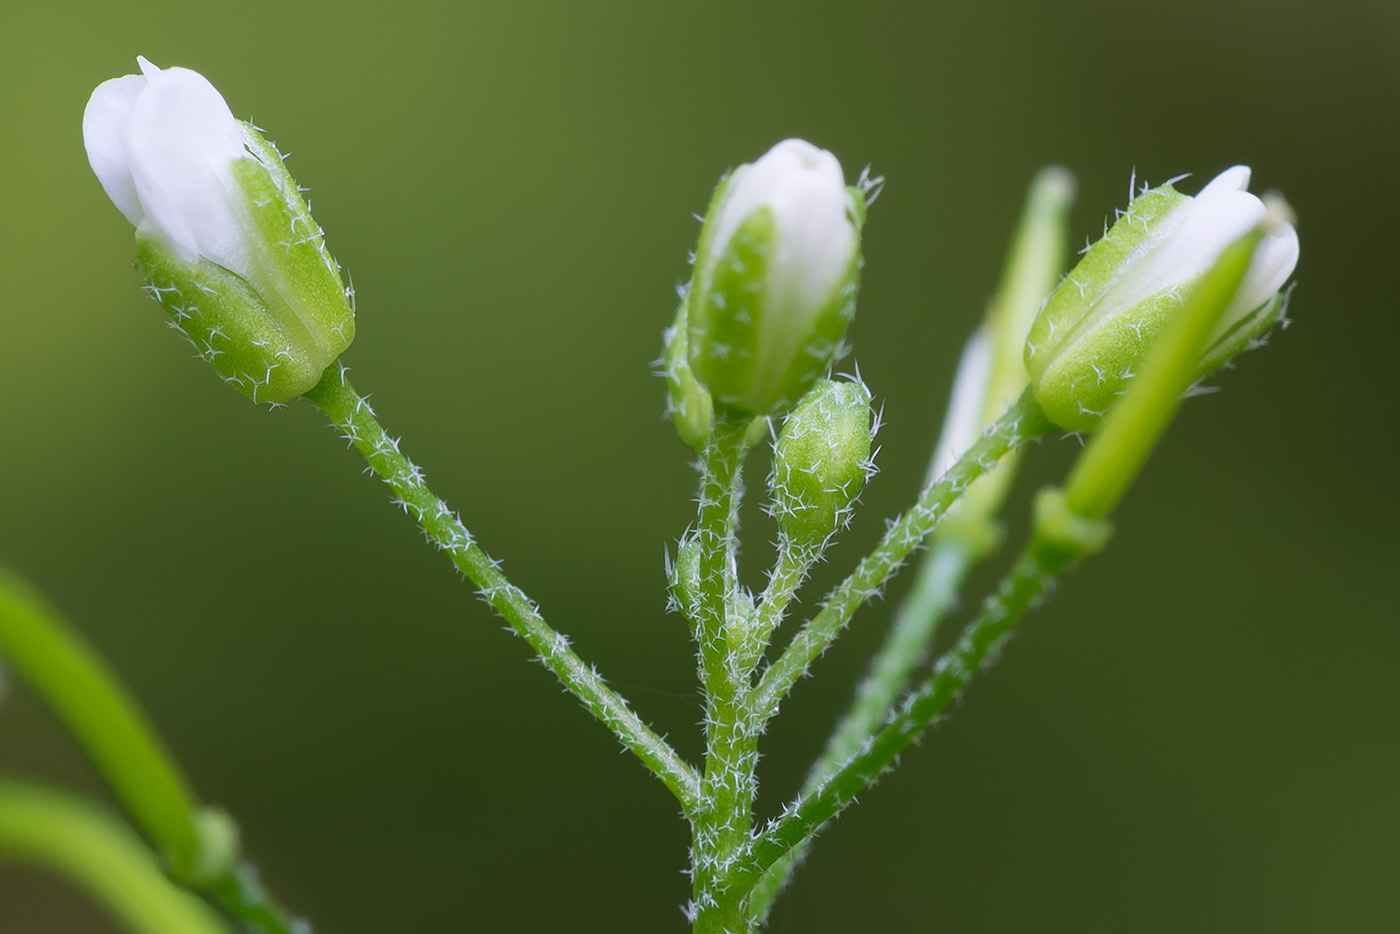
[199,846]
[794,561]
[722,824]
[352,415]
[97,853]
[71,679]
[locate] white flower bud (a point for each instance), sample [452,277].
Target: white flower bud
[223,235]
[775,278]
[1095,327]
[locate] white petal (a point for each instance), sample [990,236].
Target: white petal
[1235,178]
[962,425]
[1204,227]
[755,185]
[181,142]
[107,111]
[1274,261]
[814,238]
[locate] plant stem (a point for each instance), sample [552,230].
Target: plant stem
[75,683]
[794,561]
[915,623]
[723,823]
[352,414]
[95,851]
[1059,541]
[198,847]
[1022,421]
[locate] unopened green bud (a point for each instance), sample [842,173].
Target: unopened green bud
[775,278]
[685,577]
[1087,342]
[224,238]
[821,461]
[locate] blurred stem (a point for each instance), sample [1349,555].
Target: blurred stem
[72,680]
[1021,422]
[353,416]
[723,822]
[1060,539]
[96,852]
[199,846]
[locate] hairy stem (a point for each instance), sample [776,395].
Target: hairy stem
[723,823]
[794,561]
[1022,421]
[352,415]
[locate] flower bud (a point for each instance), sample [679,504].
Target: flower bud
[775,278]
[1085,345]
[821,460]
[225,240]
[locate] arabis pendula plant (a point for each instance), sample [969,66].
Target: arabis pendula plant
[775,278]
[1178,286]
[1084,348]
[223,236]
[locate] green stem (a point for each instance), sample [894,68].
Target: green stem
[793,563]
[1022,421]
[199,846]
[95,851]
[352,415]
[915,623]
[71,679]
[722,825]
[1059,541]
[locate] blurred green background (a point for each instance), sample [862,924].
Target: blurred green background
[1201,732]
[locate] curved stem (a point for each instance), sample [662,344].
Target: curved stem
[95,851]
[72,680]
[199,847]
[353,416]
[1022,421]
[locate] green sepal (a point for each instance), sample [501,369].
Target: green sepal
[741,347]
[687,401]
[1082,348]
[230,326]
[1246,334]
[300,280]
